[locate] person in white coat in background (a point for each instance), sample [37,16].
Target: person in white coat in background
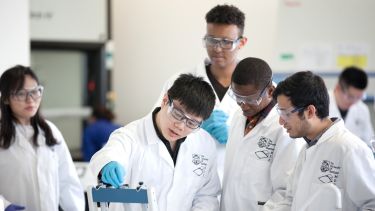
[37,170]
[223,40]
[346,103]
[167,150]
[333,155]
[260,155]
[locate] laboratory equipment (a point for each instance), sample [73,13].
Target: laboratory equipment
[102,195]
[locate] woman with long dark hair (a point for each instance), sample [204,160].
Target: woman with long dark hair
[37,171]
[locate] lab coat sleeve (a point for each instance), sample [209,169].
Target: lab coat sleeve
[284,160]
[5,202]
[71,191]
[284,203]
[118,148]
[368,130]
[206,199]
[359,176]
[284,174]
[230,146]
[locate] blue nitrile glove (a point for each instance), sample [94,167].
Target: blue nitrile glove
[14,207]
[113,174]
[216,125]
[219,130]
[216,116]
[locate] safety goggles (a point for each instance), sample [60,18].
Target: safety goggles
[254,99]
[179,115]
[286,113]
[35,93]
[226,44]
[349,96]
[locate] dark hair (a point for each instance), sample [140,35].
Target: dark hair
[353,76]
[227,14]
[304,89]
[195,94]
[253,71]
[101,112]
[12,80]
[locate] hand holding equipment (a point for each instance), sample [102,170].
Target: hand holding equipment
[113,174]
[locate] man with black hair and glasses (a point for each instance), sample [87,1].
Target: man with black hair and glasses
[260,155]
[223,40]
[346,103]
[335,170]
[167,150]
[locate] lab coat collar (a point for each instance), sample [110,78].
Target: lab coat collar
[164,140]
[20,137]
[267,121]
[265,111]
[153,139]
[158,132]
[207,62]
[331,131]
[151,136]
[24,135]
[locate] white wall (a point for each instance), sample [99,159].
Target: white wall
[14,36]
[325,35]
[155,39]
[68,20]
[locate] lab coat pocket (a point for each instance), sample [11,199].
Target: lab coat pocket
[324,197]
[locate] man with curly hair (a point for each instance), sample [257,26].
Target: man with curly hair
[223,40]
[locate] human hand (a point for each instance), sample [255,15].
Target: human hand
[216,125]
[113,174]
[219,131]
[14,207]
[216,116]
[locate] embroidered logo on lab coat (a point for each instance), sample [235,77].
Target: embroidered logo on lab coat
[200,162]
[330,172]
[266,148]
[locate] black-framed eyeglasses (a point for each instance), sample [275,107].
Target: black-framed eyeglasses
[254,99]
[180,116]
[226,44]
[35,94]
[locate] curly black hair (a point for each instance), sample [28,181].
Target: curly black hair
[226,14]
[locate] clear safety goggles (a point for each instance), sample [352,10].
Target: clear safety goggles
[285,114]
[179,115]
[35,93]
[254,99]
[349,96]
[226,44]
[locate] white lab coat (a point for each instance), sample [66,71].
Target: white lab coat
[3,203]
[228,105]
[40,178]
[357,119]
[339,158]
[192,184]
[257,165]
